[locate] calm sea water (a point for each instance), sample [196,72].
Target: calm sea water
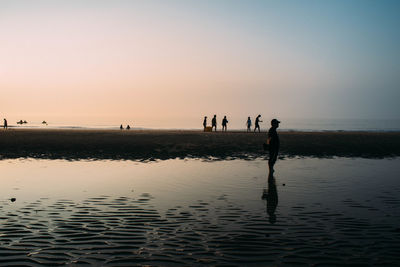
[191,212]
[234,124]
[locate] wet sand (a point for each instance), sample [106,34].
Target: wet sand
[200,213]
[168,144]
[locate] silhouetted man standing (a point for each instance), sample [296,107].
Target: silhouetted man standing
[205,123]
[248,124]
[214,123]
[224,122]
[273,142]
[257,123]
[5,124]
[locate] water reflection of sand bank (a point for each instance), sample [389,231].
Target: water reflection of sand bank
[164,144]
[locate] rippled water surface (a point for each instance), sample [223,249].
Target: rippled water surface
[319,212]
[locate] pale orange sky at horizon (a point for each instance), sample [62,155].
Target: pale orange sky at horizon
[182,60]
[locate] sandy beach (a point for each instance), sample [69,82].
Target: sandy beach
[169,144]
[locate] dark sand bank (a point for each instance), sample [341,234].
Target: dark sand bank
[167,144]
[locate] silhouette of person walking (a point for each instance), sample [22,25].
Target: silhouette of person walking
[248,123]
[214,123]
[257,123]
[273,144]
[121,127]
[205,123]
[272,198]
[5,125]
[224,122]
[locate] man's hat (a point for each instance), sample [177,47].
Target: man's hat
[275,121]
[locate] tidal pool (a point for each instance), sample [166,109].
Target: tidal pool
[312,211]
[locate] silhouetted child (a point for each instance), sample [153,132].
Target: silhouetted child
[248,124]
[5,124]
[128,127]
[205,123]
[273,144]
[257,123]
[121,127]
[214,122]
[224,122]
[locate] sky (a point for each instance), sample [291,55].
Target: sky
[170,63]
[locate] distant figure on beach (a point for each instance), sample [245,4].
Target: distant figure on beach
[205,123]
[22,122]
[128,127]
[121,127]
[248,123]
[271,196]
[224,122]
[273,144]
[214,122]
[5,125]
[257,123]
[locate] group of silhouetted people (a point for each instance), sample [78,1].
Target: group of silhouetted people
[121,127]
[225,122]
[257,124]
[272,141]
[214,123]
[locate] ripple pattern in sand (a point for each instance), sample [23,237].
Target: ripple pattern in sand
[130,231]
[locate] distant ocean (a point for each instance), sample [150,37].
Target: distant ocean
[341,125]
[236,124]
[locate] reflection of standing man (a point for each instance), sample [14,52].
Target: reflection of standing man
[272,198]
[273,142]
[214,123]
[257,123]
